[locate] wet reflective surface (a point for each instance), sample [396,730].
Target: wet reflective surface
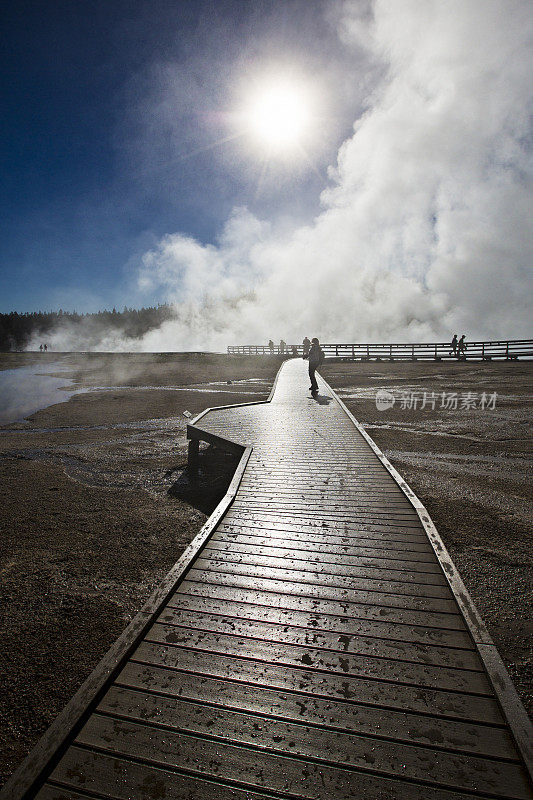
[25,390]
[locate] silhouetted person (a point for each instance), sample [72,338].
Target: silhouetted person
[271,346]
[316,357]
[461,347]
[41,348]
[282,346]
[45,348]
[453,345]
[307,344]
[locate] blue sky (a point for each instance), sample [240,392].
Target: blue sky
[131,177]
[107,109]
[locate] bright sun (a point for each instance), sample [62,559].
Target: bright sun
[278,116]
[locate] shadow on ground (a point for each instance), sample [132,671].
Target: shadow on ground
[205,490]
[322,399]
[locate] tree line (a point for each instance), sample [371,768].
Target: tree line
[17,330]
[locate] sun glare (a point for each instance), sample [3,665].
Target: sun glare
[278,116]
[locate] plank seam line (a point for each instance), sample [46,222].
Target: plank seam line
[255,790]
[302,693]
[327,586]
[322,671]
[257,787]
[333,586]
[234,519]
[81,792]
[315,549]
[314,629]
[350,538]
[355,577]
[351,553]
[326,649]
[270,543]
[325,613]
[322,563]
[315,759]
[320,726]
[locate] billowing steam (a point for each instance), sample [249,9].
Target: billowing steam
[425,228]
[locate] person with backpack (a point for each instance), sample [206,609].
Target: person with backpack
[316,357]
[454,345]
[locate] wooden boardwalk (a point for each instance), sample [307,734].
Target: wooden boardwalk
[314,641]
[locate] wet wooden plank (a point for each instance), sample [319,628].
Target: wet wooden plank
[337,564]
[348,510]
[328,685]
[374,667]
[303,741]
[370,580]
[262,769]
[50,792]
[309,545]
[452,735]
[102,775]
[305,636]
[123,779]
[411,541]
[343,609]
[350,625]
[341,498]
[312,590]
[345,524]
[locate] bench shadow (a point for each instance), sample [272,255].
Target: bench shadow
[205,490]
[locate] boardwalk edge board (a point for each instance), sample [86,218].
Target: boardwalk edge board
[49,749]
[506,694]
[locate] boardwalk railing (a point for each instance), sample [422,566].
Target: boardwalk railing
[509,349]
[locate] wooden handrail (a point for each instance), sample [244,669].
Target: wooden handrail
[508,349]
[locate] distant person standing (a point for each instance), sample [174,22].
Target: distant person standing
[282,346]
[453,345]
[45,348]
[316,357]
[306,345]
[41,348]
[271,346]
[461,347]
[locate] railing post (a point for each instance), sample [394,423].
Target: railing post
[192,461]
[507,351]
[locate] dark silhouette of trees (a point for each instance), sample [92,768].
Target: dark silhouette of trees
[16,330]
